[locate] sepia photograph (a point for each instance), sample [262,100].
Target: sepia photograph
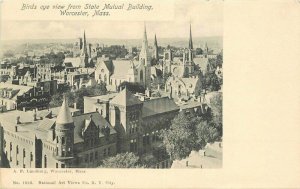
[135,94]
[113,94]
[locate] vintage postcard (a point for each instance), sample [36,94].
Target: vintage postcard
[129,94]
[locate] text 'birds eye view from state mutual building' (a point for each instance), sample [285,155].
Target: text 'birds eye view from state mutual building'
[112,94]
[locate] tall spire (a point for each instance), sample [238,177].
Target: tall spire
[155,41]
[64,115]
[206,48]
[190,40]
[155,48]
[84,47]
[144,54]
[145,40]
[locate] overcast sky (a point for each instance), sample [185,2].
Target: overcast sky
[206,19]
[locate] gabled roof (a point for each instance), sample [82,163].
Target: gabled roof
[82,122]
[121,67]
[158,106]
[125,98]
[75,62]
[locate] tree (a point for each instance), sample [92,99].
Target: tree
[57,99]
[188,132]
[212,82]
[216,104]
[122,160]
[78,96]
[180,139]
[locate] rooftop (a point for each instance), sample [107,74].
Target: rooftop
[158,105]
[125,98]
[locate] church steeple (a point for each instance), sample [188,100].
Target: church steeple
[145,41]
[145,61]
[84,53]
[190,40]
[84,46]
[155,48]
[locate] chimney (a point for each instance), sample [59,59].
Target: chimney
[18,120]
[148,92]
[34,115]
[75,105]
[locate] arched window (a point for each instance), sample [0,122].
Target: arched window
[105,78]
[45,161]
[24,152]
[141,75]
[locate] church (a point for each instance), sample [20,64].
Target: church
[114,72]
[180,67]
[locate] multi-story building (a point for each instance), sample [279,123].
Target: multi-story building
[55,138]
[137,120]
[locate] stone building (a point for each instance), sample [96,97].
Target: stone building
[183,88]
[114,72]
[57,138]
[26,97]
[137,120]
[180,67]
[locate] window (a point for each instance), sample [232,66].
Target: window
[91,156]
[17,148]
[57,139]
[31,156]
[63,152]
[104,153]
[92,142]
[24,153]
[56,165]
[141,75]
[17,162]
[10,146]
[45,161]
[24,166]
[63,140]
[62,165]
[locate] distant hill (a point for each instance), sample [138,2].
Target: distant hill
[179,42]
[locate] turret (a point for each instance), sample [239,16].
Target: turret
[64,130]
